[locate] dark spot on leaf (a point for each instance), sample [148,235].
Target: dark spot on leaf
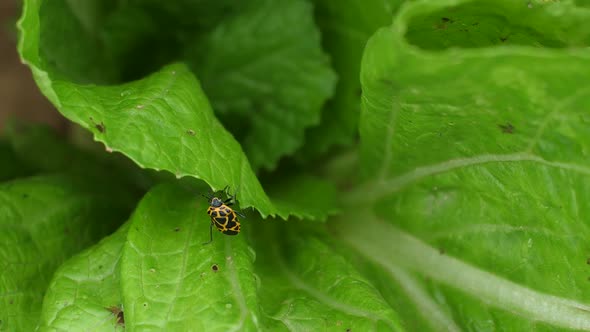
[145,304]
[503,39]
[190,132]
[177,229]
[442,251]
[11,301]
[475,24]
[440,26]
[588,261]
[214,267]
[118,313]
[25,195]
[464,30]
[446,19]
[100,267]
[99,126]
[386,81]
[507,128]
[348,330]
[359,92]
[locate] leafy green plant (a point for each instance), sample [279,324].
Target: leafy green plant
[462,206]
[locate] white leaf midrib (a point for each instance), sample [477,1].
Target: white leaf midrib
[320,296]
[377,189]
[411,254]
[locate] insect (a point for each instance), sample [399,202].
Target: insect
[222,215]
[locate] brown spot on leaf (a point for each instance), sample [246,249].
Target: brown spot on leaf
[118,313]
[214,267]
[507,128]
[190,132]
[99,126]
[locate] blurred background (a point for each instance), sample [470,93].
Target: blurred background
[19,96]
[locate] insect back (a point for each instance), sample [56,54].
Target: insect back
[222,215]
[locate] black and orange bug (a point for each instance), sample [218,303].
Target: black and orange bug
[222,215]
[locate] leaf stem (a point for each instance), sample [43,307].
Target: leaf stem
[393,249]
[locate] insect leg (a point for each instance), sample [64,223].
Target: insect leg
[210,233]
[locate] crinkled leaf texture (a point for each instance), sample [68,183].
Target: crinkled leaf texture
[84,294]
[307,285]
[475,150]
[264,66]
[43,221]
[163,121]
[171,281]
[264,69]
[157,270]
[346,26]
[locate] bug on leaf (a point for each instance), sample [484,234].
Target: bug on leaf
[222,215]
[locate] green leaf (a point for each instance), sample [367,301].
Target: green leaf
[265,71]
[475,150]
[306,285]
[44,220]
[305,197]
[171,281]
[85,290]
[346,26]
[163,121]
[41,150]
[11,166]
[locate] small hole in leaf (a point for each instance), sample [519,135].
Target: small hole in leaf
[215,267]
